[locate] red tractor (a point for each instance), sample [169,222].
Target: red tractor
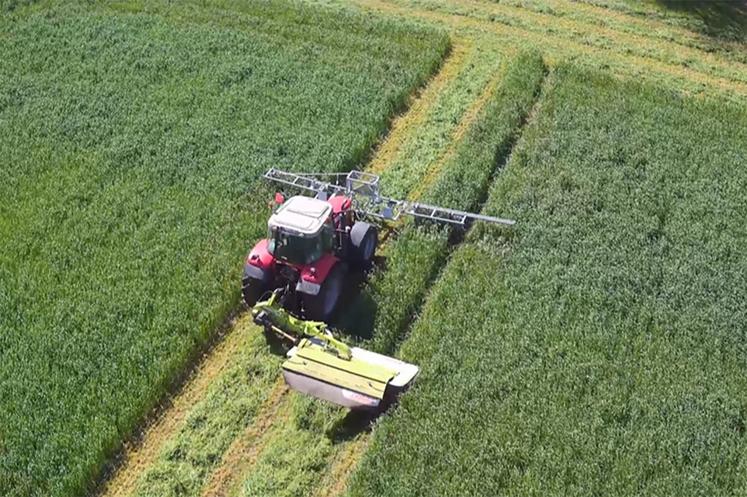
[309,249]
[312,243]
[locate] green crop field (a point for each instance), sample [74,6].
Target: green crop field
[595,348]
[131,143]
[601,349]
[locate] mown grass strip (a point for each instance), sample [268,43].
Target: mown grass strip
[647,26]
[720,20]
[423,104]
[235,399]
[598,352]
[139,453]
[558,49]
[243,452]
[595,35]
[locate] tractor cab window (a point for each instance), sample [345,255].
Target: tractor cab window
[294,248]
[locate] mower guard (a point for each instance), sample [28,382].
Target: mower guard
[366,381]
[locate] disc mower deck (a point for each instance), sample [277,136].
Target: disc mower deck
[365,381]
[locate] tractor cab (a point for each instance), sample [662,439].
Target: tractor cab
[301,230]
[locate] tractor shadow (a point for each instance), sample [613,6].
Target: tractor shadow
[356,422]
[356,311]
[353,424]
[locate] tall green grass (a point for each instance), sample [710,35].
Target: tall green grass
[600,352]
[132,141]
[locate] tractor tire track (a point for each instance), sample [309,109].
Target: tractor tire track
[246,448]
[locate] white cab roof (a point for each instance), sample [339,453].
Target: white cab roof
[303,215]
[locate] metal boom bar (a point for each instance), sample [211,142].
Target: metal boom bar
[359,184]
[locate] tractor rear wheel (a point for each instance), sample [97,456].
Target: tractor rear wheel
[363,240]
[320,307]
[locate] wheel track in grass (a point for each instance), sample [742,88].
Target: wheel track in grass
[335,482]
[555,47]
[422,102]
[245,449]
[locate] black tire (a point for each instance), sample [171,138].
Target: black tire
[252,287]
[363,241]
[320,307]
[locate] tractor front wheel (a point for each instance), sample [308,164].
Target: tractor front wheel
[320,307]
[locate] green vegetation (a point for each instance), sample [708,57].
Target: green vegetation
[724,19]
[417,255]
[131,139]
[231,403]
[599,350]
